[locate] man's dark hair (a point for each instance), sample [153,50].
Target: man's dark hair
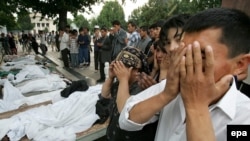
[132,23]
[116,22]
[160,45]
[152,26]
[67,26]
[86,28]
[234,25]
[80,29]
[160,23]
[144,28]
[104,29]
[61,29]
[177,21]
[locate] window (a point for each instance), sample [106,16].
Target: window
[43,24]
[38,24]
[47,24]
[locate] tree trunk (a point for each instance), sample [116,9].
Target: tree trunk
[62,19]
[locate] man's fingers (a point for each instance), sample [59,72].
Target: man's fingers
[209,62]
[222,87]
[182,68]
[189,61]
[197,58]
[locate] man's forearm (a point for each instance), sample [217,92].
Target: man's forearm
[199,125]
[145,110]
[106,87]
[122,95]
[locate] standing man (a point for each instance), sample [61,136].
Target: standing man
[120,39]
[64,44]
[145,39]
[5,44]
[83,41]
[96,37]
[53,40]
[43,42]
[134,37]
[105,49]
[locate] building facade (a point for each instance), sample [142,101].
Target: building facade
[46,24]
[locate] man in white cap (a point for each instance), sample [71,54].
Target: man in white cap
[96,37]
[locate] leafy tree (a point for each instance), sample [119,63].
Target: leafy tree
[81,21]
[53,8]
[157,9]
[7,8]
[93,22]
[24,22]
[69,21]
[194,6]
[111,11]
[8,20]
[150,13]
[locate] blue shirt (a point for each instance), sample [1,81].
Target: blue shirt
[85,39]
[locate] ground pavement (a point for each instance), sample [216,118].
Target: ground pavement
[87,73]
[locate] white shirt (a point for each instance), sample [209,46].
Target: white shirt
[133,39]
[233,108]
[64,41]
[42,39]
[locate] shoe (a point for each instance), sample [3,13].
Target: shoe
[100,80]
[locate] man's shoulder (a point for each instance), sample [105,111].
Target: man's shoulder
[122,31]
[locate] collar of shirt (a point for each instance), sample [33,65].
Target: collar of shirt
[227,103]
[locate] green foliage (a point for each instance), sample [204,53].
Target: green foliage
[49,8]
[149,13]
[81,21]
[158,9]
[24,22]
[111,11]
[194,6]
[69,21]
[8,20]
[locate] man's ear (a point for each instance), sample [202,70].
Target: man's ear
[242,67]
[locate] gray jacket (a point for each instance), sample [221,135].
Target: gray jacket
[118,42]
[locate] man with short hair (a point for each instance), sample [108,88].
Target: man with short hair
[83,41]
[144,40]
[64,47]
[105,49]
[96,37]
[43,42]
[119,40]
[134,37]
[196,83]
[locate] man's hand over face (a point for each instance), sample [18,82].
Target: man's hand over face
[197,84]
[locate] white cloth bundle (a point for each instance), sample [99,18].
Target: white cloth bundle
[57,121]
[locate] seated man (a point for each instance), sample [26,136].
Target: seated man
[128,63]
[203,83]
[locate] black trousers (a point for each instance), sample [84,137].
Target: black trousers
[96,59]
[65,57]
[102,74]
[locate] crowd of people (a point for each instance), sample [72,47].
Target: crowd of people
[189,92]
[175,80]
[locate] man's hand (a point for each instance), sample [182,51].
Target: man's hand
[197,83]
[121,71]
[111,70]
[145,80]
[172,87]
